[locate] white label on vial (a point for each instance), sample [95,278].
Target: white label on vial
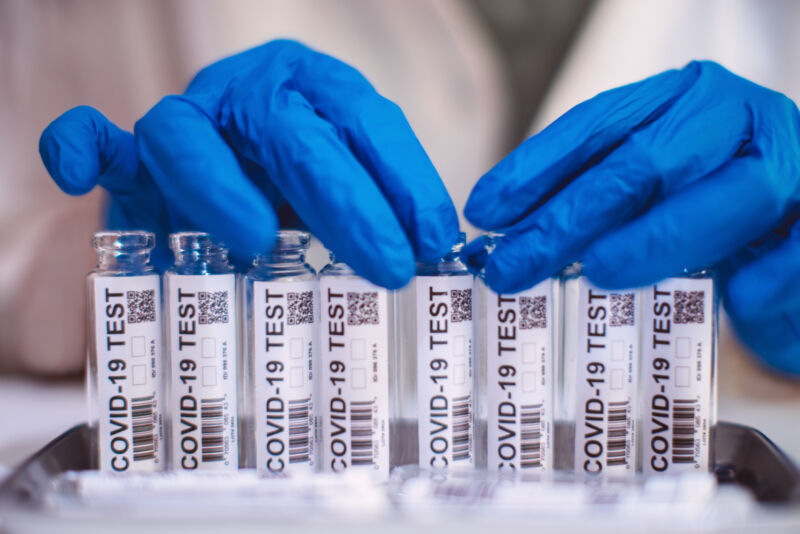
[444,370]
[128,341]
[354,343]
[285,317]
[677,359]
[607,353]
[519,374]
[202,310]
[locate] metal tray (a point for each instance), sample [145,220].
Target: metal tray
[745,458]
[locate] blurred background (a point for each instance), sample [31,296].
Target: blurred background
[474,77]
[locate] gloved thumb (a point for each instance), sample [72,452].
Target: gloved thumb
[82,148]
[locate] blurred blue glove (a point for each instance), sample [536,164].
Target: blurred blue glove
[278,128]
[687,169]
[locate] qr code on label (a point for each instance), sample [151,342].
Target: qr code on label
[622,309]
[362,308]
[460,305]
[141,306]
[532,312]
[213,307]
[689,307]
[301,307]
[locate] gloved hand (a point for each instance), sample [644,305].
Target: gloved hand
[278,128]
[688,169]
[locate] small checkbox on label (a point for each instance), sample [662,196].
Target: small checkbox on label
[529,353]
[209,376]
[459,374]
[296,348]
[529,381]
[358,349]
[296,376]
[617,378]
[459,345]
[683,347]
[208,347]
[682,373]
[617,350]
[139,375]
[359,376]
[138,346]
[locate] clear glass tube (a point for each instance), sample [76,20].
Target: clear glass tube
[599,384]
[436,375]
[125,379]
[678,382]
[517,376]
[356,361]
[202,355]
[282,311]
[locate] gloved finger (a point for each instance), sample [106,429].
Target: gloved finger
[768,285]
[200,177]
[546,162]
[615,190]
[82,148]
[378,134]
[474,254]
[691,229]
[325,184]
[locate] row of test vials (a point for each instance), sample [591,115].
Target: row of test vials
[289,371]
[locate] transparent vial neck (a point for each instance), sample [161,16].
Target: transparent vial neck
[288,253]
[337,268]
[123,251]
[196,251]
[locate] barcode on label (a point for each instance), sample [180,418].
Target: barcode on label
[460,305]
[299,430]
[532,312]
[617,437]
[530,435]
[301,307]
[689,307]
[361,432]
[144,428]
[683,431]
[462,426]
[362,308]
[622,309]
[141,306]
[212,429]
[213,307]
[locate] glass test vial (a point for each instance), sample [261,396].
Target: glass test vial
[516,378]
[124,303]
[600,376]
[282,309]
[202,355]
[356,351]
[438,361]
[678,396]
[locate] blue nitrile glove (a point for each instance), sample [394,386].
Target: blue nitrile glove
[274,133]
[690,168]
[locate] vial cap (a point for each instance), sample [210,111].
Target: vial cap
[125,241]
